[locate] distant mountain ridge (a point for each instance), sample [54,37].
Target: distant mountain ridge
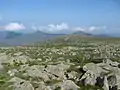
[81,33]
[17,38]
[12,34]
[9,34]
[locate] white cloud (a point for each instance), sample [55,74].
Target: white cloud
[92,28]
[14,26]
[52,27]
[79,29]
[64,27]
[89,29]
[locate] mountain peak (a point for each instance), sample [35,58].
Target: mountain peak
[81,33]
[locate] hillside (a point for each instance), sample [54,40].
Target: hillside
[15,38]
[78,40]
[71,62]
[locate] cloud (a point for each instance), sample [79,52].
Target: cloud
[89,29]
[79,29]
[92,28]
[14,26]
[52,27]
[64,27]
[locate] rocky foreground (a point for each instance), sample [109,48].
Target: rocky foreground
[19,71]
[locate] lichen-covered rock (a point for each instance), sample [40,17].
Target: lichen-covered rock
[4,58]
[21,59]
[68,85]
[20,84]
[72,75]
[12,72]
[65,85]
[106,86]
[36,71]
[89,78]
[23,67]
[105,75]
[93,68]
[57,70]
[40,86]
[112,81]
[93,71]
[18,54]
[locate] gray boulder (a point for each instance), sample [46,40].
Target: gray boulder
[20,84]
[68,85]
[104,74]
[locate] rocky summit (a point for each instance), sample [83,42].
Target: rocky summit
[91,66]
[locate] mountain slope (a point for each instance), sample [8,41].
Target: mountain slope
[81,33]
[79,40]
[12,34]
[29,38]
[14,38]
[9,34]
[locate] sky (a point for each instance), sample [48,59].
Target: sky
[60,16]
